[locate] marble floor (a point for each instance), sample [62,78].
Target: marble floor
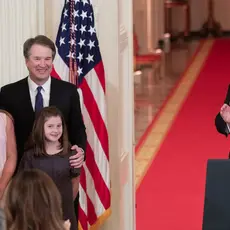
[152,89]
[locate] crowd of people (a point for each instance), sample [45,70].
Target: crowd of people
[42,146]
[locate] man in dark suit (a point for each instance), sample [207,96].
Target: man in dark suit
[222,120]
[23,99]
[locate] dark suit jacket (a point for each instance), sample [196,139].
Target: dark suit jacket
[221,125]
[15,98]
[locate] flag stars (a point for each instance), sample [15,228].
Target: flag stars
[71,54]
[91,44]
[63,27]
[81,43]
[73,28]
[83,14]
[80,71]
[91,30]
[83,29]
[85,2]
[61,41]
[65,13]
[91,17]
[72,42]
[77,36]
[80,57]
[76,13]
[90,58]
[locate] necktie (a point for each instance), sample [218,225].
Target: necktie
[38,100]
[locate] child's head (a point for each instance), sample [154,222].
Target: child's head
[33,202]
[49,126]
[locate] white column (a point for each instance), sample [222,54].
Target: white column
[116,41]
[148,20]
[114,29]
[222,13]
[198,16]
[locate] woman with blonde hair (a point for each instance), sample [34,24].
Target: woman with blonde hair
[33,202]
[8,152]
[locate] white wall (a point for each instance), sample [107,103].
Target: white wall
[199,14]
[148,20]
[222,13]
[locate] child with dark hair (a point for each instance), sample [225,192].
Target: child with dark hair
[49,150]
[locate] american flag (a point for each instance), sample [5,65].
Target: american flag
[78,56]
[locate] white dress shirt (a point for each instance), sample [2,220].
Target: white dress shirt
[227,130]
[45,91]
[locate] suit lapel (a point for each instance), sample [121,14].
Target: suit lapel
[27,104]
[58,98]
[54,92]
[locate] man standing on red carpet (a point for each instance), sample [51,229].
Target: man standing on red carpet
[222,120]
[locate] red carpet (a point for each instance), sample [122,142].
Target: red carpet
[171,195]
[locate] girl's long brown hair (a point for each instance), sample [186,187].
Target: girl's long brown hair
[33,202]
[37,138]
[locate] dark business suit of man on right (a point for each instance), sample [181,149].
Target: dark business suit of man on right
[222,120]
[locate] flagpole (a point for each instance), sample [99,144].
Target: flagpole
[73,76]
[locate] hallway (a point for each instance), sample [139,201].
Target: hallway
[171,158]
[151,96]
[151,90]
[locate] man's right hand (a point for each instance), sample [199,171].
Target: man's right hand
[67,225]
[225,113]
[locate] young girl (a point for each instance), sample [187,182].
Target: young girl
[49,151]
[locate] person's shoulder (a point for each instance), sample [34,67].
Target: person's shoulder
[29,153]
[6,114]
[14,86]
[63,84]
